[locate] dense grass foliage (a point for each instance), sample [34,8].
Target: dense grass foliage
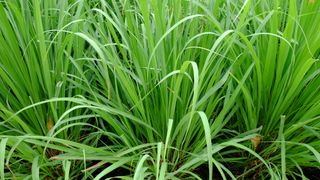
[167,89]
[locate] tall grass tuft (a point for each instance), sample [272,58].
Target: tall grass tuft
[152,89]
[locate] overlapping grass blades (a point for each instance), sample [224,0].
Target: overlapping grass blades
[159,89]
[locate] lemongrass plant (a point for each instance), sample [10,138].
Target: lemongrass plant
[158,89]
[282,97]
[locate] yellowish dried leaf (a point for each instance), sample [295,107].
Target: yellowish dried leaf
[256,141]
[49,124]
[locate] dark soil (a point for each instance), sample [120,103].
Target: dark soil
[312,173]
